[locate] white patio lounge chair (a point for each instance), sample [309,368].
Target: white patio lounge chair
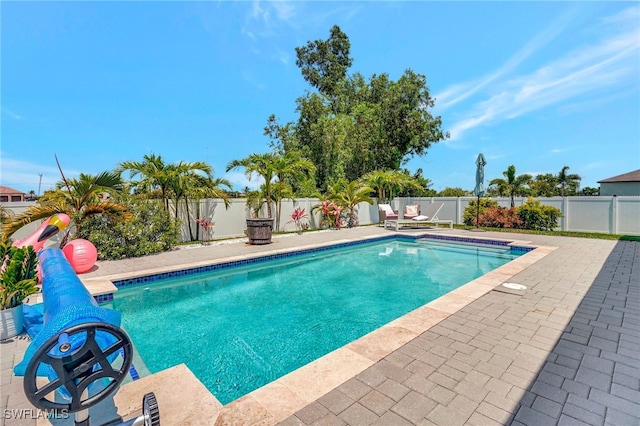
[430,215]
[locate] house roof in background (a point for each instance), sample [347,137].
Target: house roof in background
[633,176]
[7,190]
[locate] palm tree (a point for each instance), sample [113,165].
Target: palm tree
[290,168]
[195,187]
[274,169]
[387,183]
[568,180]
[349,195]
[83,198]
[263,166]
[181,176]
[6,215]
[512,185]
[154,174]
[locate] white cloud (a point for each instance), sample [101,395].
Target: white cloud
[25,175]
[11,114]
[460,92]
[265,18]
[589,70]
[281,56]
[269,19]
[239,180]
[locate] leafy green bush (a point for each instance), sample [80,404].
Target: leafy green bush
[149,231]
[539,217]
[18,277]
[469,215]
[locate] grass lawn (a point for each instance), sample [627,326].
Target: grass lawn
[595,235]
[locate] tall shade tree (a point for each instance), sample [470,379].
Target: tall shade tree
[568,181]
[512,184]
[79,198]
[352,126]
[348,195]
[324,63]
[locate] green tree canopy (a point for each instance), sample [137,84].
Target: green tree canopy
[324,63]
[352,126]
[452,192]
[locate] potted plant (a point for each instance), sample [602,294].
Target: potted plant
[273,169]
[18,280]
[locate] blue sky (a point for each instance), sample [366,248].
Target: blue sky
[536,84]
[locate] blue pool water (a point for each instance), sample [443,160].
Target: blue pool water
[240,328]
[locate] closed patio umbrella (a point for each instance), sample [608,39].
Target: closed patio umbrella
[478,191]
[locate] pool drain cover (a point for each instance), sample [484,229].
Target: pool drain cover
[514,286]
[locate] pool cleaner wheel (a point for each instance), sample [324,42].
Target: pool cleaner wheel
[79,368]
[150,410]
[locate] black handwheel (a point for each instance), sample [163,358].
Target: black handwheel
[150,410]
[78,369]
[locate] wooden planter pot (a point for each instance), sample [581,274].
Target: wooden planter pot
[259,230]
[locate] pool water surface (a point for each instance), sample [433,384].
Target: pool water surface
[238,329]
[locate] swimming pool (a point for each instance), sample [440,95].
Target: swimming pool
[240,328]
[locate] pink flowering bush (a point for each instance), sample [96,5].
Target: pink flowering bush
[297,217]
[332,214]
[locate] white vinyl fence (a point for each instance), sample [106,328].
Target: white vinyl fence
[609,215]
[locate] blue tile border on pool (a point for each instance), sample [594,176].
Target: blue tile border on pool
[133,372]
[103,298]
[242,262]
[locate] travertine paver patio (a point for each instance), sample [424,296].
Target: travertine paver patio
[565,351]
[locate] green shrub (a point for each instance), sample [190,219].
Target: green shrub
[149,231]
[469,215]
[18,277]
[538,217]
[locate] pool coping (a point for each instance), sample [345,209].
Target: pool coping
[276,401]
